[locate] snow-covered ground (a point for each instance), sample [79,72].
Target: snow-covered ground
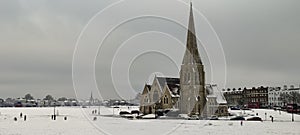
[80,121]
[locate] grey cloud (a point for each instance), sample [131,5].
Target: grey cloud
[260,40]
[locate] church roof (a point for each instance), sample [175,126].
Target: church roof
[167,80]
[174,90]
[213,91]
[148,86]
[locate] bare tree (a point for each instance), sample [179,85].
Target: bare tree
[49,97]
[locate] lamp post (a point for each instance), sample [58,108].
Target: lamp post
[54,108]
[54,116]
[293,109]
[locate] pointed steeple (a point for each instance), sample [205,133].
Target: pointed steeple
[192,75]
[191,54]
[91,98]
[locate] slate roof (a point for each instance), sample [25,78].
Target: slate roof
[173,84]
[148,86]
[163,80]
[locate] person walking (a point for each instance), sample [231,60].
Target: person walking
[24,117]
[241,123]
[272,119]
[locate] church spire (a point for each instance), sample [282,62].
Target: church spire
[192,75]
[191,54]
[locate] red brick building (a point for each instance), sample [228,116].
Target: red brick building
[248,97]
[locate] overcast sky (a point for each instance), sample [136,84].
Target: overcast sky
[259,38]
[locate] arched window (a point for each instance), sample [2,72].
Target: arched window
[186,77]
[166,100]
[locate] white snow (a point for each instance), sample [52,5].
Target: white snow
[149,116]
[80,121]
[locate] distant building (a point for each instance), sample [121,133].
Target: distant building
[91,101]
[251,97]
[1,102]
[234,97]
[275,92]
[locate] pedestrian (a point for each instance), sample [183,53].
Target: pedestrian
[272,118]
[241,123]
[65,118]
[95,111]
[24,117]
[265,116]
[15,119]
[21,115]
[52,116]
[256,114]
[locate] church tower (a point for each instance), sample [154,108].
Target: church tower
[192,76]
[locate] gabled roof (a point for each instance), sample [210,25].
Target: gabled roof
[174,90]
[146,87]
[167,80]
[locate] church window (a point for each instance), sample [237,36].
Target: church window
[166,100]
[188,78]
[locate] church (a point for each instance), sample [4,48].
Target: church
[187,94]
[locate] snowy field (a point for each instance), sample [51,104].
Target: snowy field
[80,122]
